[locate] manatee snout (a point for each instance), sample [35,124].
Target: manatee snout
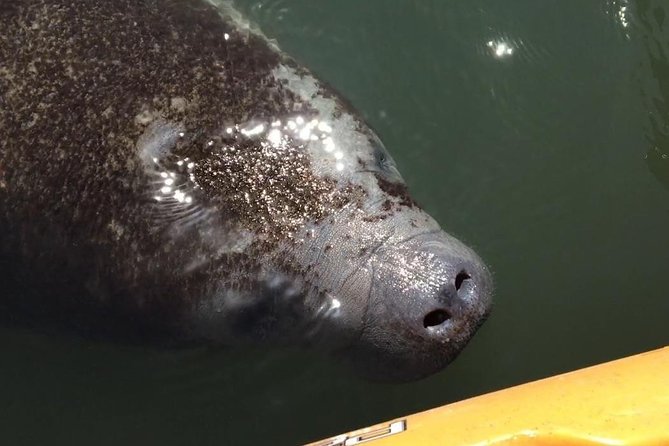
[428,297]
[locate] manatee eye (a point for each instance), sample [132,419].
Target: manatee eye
[382,159]
[383,163]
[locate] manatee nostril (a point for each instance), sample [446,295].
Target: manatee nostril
[460,279]
[436,317]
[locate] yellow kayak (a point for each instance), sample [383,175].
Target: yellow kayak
[623,402]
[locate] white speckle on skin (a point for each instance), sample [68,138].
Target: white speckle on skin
[116,229]
[178,104]
[338,130]
[146,117]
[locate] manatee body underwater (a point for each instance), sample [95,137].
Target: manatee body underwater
[168,174]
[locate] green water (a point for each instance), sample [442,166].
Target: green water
[552,161]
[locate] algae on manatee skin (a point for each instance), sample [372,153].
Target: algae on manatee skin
[653,24]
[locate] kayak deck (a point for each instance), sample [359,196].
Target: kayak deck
[623,402]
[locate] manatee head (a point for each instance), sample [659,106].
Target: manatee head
[305,232]
[318,241]
[396,296]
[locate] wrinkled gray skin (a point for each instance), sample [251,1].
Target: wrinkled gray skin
[167,174]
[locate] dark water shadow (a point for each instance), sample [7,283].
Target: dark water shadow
[653,26]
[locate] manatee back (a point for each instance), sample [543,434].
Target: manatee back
[81,85]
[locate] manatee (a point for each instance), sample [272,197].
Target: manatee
[168,174]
